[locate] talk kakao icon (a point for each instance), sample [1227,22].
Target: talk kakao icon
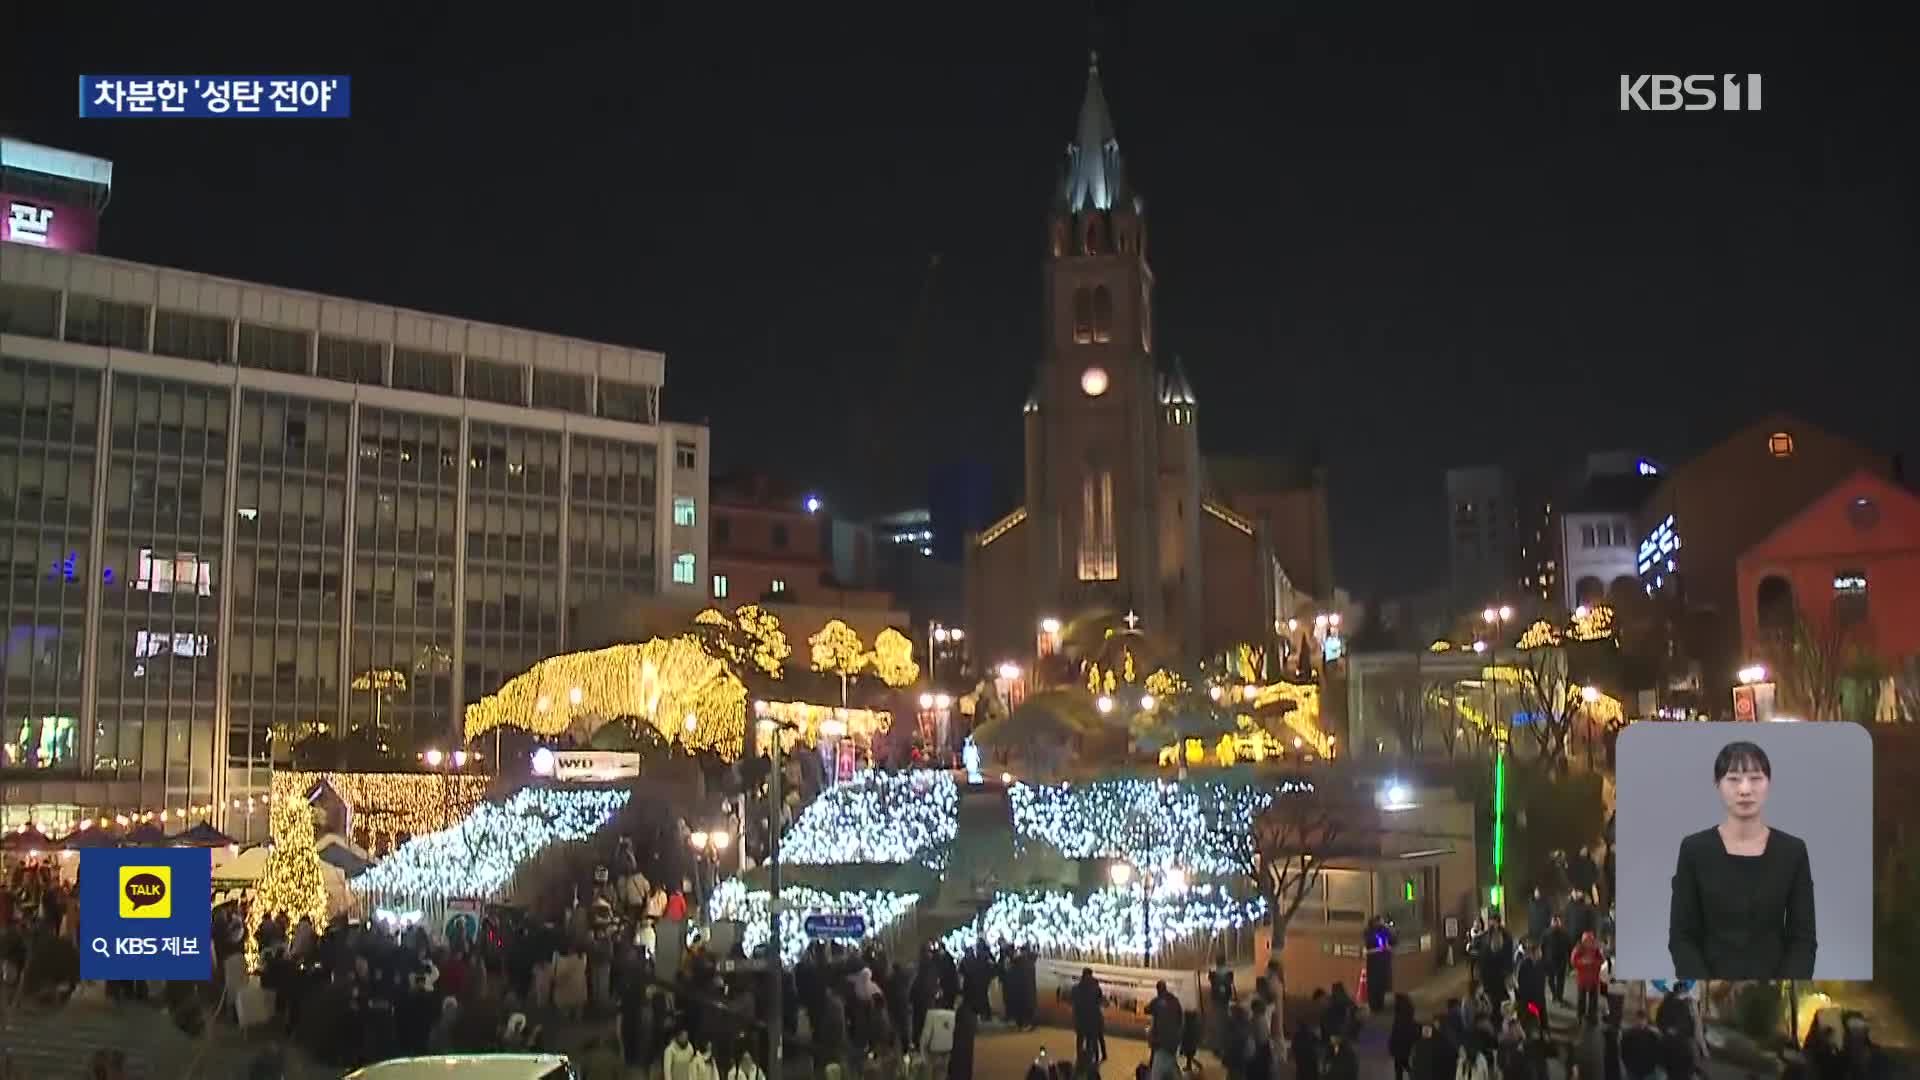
[146,892]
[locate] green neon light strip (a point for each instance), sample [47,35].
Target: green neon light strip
[1499,821]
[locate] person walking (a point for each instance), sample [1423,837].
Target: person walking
[1403,1037]
[1165,1029]
[1588,960]
[1089,1022]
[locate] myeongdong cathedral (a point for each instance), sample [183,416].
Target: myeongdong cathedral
[1122,513]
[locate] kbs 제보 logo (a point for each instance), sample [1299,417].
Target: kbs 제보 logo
[146,892]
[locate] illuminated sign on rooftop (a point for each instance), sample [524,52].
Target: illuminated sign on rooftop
[1656,551]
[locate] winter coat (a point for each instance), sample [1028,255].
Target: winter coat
[1168,1023]
[677,1062]
[1587,962]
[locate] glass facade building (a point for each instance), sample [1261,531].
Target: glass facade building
[235,517]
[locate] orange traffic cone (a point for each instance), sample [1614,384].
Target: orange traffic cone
[1362,998]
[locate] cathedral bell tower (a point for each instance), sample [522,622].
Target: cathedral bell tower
[1093,420]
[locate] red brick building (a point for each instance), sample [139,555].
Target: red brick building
[1698,522]
[1851,560]
[1120,513]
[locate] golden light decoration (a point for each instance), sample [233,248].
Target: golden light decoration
[808,720]
[1166,685]
[767,646]
[387,806]
[380,679]
[749,638]
[836,649]
[661,682]
[291,881]
[1440,645]
[1542,634]
[892,659]
[1592,623]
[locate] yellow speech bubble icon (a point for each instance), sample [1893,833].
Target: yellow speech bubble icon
[146,892]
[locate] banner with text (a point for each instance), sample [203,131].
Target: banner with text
[146,913]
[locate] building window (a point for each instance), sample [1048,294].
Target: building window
[1850,597]
[1082,317]
[779,585]
[93,321]
[1586,536]
[29,311]
[272,348]
[719,586]
[683,569]
[625,401]
[780,535]
[561,390]
[1780,444]
[1102,315]
[190,336]
[683,511]
[491,380]
[423,369]
[1099,555]
[685,455]
[352,360]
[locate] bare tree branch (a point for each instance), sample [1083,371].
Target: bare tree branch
[1292,840]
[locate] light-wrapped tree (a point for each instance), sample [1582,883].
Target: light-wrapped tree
[291,882]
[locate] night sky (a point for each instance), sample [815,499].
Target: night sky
[1409,245]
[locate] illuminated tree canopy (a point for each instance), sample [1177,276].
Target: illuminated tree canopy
[750,639]
[674,684]
[836,650]
[892,659]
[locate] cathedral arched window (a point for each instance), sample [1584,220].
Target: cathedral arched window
[1082,316]
[1102,315]
[1091,239]
[1099,553]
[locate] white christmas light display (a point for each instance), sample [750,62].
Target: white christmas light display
[479,856]
[1204,828]
[733,900]
[1108,922]
[874,818]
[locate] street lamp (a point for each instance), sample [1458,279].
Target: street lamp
[1104,704]
[1497,618]
[1173,879]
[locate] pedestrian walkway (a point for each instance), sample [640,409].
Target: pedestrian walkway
[59,1044]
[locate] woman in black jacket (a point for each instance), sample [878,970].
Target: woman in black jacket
[1742,892]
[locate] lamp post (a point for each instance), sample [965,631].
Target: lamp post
[774,729]
[1173,879]
[1497,618]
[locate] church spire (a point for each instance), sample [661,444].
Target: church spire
[1095,178]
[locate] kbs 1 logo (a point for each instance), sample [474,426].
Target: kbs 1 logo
[1692,93]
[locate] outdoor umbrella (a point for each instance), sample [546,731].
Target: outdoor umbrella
[201,835]
[89,838]
[146,835]
[27,839]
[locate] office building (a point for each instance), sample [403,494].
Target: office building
[1483,536]
[237,516]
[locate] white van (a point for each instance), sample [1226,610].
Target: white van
[471,1067]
